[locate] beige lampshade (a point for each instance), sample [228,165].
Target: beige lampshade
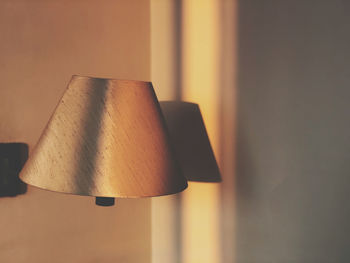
[190,139]
[106,138]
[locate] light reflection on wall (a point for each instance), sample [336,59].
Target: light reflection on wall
[166,228]
[200,80]
[193,59]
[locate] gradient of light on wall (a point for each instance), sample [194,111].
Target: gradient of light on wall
[193,58]
[200,80]
[166,225]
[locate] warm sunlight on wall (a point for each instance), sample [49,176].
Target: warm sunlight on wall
[193,56]
[166,228]
[200,210]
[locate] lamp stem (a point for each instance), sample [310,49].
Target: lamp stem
[104,201]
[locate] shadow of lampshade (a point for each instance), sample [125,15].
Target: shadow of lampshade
[190,141]
[12,158]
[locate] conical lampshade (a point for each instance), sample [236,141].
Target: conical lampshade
[106,138]
[190,139]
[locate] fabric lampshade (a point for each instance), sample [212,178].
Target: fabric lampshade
[106,138]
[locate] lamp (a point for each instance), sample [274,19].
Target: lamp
[106,138]
[191,141]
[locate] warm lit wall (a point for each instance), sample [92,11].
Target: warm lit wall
[42,44]
[165,66]
[200,81]
[193,59]
[272,80]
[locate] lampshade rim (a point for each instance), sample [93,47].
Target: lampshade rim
[77,76]
[182,188]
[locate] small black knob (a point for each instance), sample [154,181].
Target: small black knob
[104,201]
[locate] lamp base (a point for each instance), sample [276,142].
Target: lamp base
[105,201]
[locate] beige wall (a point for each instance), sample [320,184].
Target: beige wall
[193,59]
[165,66]
[42,44]
[272,80]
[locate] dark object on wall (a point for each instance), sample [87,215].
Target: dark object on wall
[190,139]
[12,158]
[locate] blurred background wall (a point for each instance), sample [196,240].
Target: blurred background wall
[42,43]
[272,81]
[193,59]
[292,177]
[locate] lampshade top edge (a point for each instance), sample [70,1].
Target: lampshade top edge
[77,76]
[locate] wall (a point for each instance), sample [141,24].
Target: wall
[293,131]
[272,80]
[165,70]
[42,44]
[193,59]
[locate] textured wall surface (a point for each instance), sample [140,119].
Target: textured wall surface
[42,44]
